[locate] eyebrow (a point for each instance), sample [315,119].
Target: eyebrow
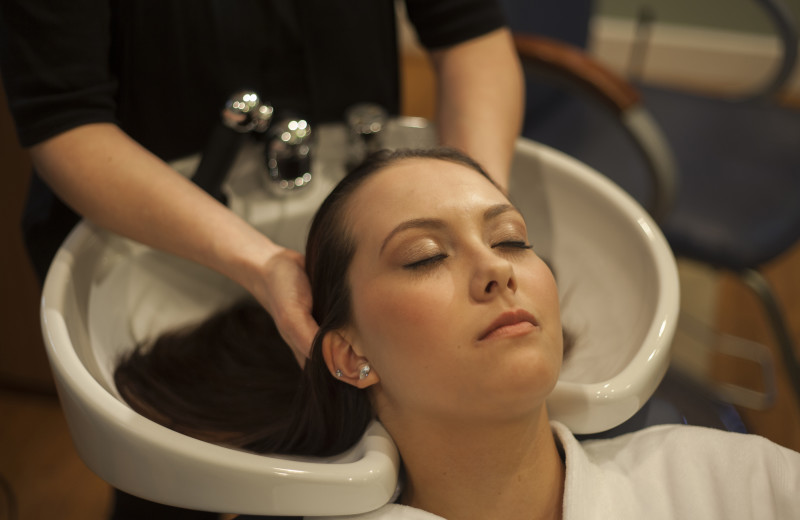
[435,223]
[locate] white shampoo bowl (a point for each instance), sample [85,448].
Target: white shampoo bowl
[103,294]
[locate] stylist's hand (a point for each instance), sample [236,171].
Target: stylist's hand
[286,294]
[113,181]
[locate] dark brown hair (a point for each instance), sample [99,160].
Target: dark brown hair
[232,379]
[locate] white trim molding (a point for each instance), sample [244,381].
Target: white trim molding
[693,58]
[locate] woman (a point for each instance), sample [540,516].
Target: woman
[438,318]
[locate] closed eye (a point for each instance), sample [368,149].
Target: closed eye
[426,262]
[512,244]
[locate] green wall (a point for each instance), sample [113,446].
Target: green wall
[734,15]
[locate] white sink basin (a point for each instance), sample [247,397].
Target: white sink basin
[103,294]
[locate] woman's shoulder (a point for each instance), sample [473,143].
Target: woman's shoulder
[668,446]
[682,470]
[389,512]
[676,440]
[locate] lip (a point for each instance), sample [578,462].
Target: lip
[510,323]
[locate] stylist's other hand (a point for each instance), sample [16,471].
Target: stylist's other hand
[286,294]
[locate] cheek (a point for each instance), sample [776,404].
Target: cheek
[403,326]
[539,288]
[394,312]
[538,284]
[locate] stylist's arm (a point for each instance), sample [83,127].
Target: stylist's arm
[114,182]
[481,99]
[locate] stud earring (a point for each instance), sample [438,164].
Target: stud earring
[339,373]
[364,371]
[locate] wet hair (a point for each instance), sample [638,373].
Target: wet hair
[232,380]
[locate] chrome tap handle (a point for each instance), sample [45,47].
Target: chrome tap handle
[245,112]
[366,122]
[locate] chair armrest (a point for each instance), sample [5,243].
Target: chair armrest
[566,62]
[570,66]
[786,27]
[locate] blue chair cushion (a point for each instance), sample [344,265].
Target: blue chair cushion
[738,201]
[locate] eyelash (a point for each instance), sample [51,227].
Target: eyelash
[426,262]
[433,260]
[513,244]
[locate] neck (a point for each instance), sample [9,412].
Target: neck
[504,471]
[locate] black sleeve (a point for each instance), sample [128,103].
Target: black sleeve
[54,58]
[443,23]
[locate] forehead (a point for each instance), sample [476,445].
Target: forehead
[419,188]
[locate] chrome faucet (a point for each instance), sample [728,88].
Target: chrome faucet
[288,155]
[244,113]
[288,143]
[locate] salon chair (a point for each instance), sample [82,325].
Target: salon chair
[721,176]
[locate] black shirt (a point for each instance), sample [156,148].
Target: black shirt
[163,69]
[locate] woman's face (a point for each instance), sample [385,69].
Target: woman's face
[454,312]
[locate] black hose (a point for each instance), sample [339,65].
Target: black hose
[217,159]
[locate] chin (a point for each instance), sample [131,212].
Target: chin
[520,389]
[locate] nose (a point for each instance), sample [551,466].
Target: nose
[493,276]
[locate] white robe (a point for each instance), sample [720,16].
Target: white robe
[669,472]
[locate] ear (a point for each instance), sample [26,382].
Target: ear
[339,354]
